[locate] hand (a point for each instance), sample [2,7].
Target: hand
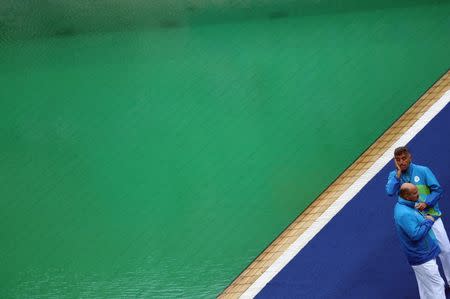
[397,167]
[429,217]
[421,206]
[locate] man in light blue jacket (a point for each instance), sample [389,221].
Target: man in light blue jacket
[430,192]
[418,242]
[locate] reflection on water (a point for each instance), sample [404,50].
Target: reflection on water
[162,162]
[168,279]
[37,19]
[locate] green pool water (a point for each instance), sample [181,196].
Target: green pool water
[160,162]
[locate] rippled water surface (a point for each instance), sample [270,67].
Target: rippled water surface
[160,163]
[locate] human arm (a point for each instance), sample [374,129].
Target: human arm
[435,188]
[415,225]
[393,184]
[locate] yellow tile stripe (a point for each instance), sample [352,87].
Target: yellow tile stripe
[332,193]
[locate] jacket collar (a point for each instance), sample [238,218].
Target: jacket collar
[405,202]
[410,169]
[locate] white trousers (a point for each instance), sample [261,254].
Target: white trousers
[444,244]
[431,285]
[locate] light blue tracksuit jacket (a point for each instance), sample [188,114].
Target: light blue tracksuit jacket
[414,230]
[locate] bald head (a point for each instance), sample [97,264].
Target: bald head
[409,191]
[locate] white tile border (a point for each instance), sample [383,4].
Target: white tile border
[323,219]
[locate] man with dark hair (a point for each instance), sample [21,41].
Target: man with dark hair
[400,151]
[418,243]
[429,194]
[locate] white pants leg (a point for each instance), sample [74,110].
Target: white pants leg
[444,244]
[431,285]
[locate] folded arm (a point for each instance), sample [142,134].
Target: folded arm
[393,184]
[435,189]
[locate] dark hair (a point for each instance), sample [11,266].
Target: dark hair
[401,150]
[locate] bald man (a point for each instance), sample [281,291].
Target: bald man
[419,243]
[430,193]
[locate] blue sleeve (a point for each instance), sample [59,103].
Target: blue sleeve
[393,184]
[435,189]
[415,227]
